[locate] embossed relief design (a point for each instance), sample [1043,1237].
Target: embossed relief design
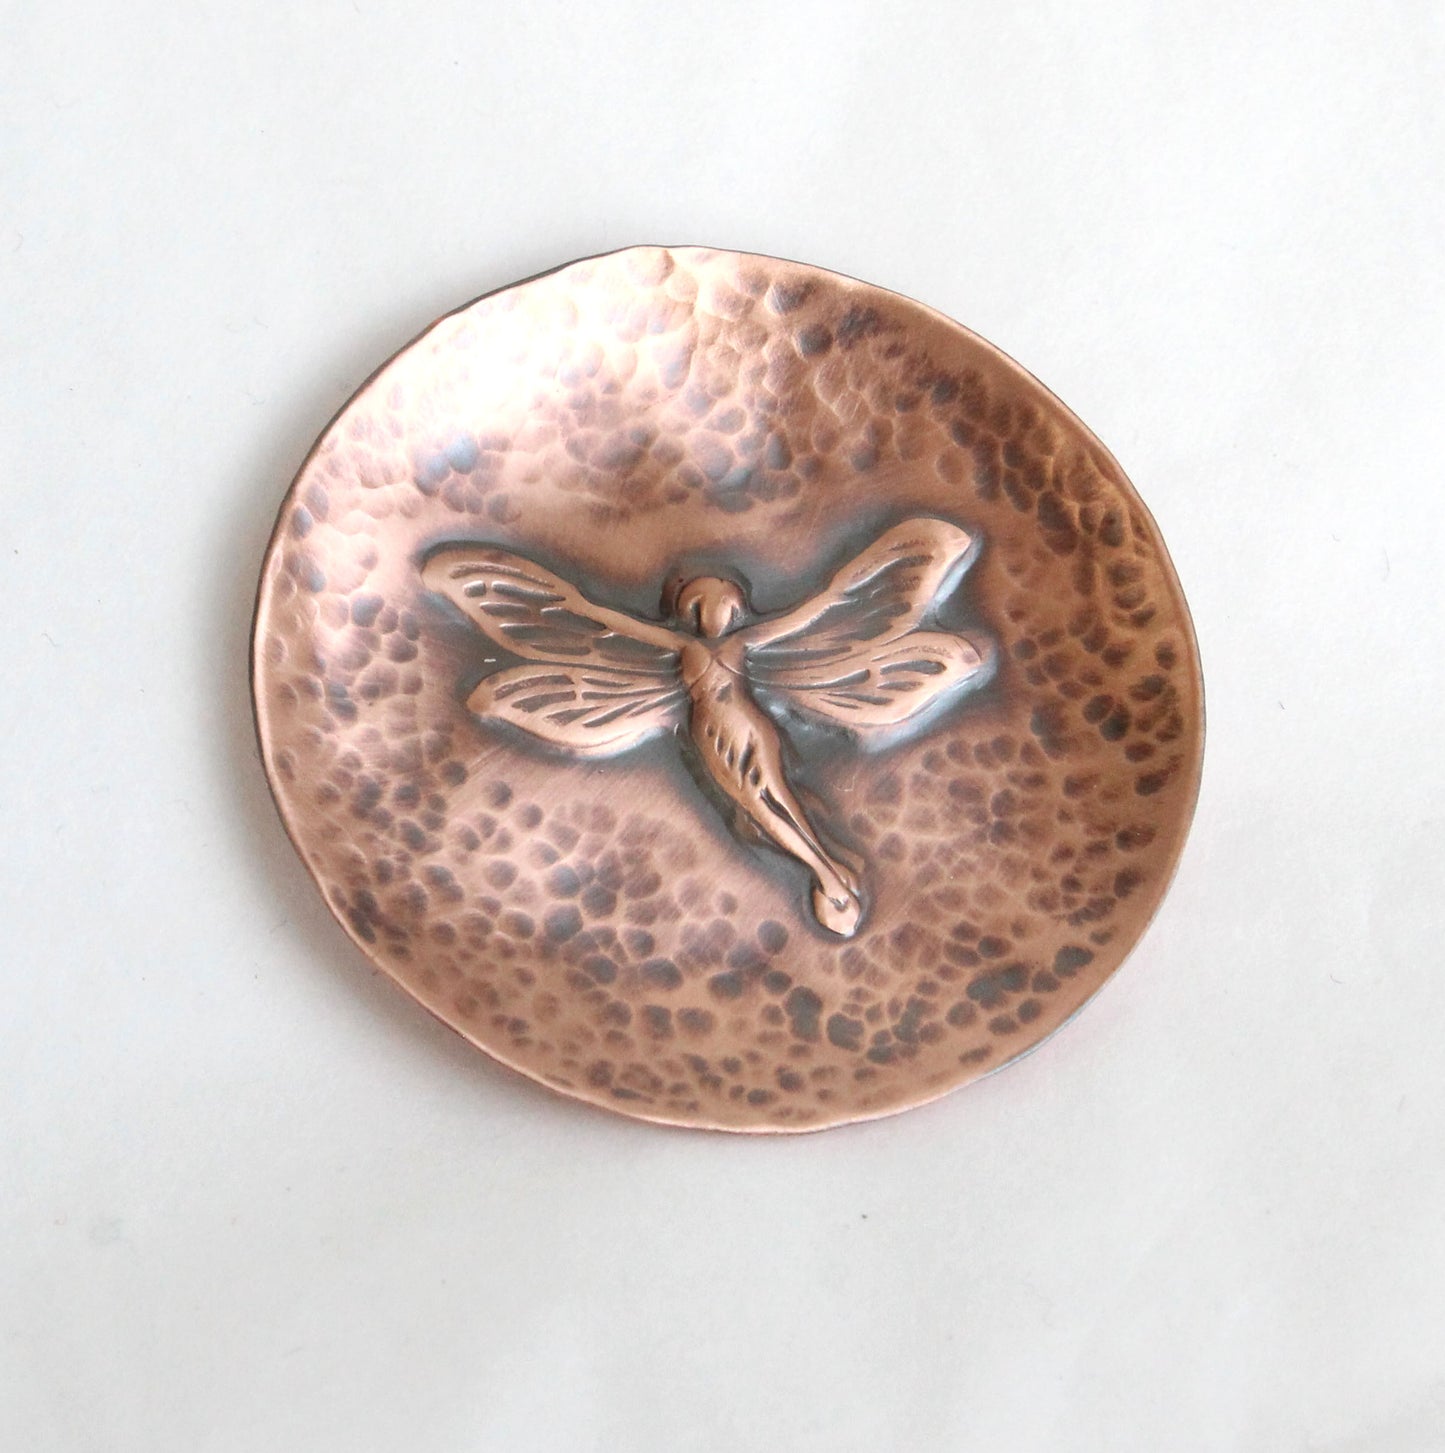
[858,656]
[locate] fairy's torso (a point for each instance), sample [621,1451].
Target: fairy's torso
[712,669]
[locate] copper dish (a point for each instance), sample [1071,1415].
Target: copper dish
[727,692]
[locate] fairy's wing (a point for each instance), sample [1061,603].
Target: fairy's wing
[537,615]
[588,711]
[855,654]
[597,680]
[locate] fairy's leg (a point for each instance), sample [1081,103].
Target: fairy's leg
[741,750]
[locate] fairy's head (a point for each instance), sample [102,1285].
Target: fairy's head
[707,606]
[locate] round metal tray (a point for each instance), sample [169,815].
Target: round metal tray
[727,692]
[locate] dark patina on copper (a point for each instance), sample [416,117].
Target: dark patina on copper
[725,691]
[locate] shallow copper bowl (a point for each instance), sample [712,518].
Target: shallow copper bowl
[608,923]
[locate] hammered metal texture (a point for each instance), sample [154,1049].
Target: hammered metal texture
[596,924]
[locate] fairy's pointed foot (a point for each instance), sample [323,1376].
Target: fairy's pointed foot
[839,911]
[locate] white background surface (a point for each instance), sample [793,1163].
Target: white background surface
[254,1199]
